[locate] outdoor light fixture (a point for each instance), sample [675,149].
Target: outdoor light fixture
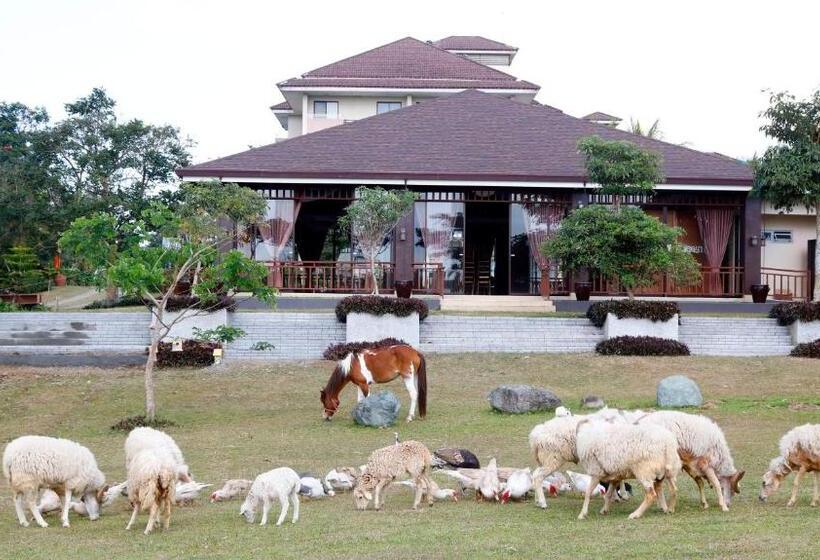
[754,241]
[402,234]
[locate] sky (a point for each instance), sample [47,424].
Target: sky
[210,68]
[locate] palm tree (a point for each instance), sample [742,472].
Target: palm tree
[653,131]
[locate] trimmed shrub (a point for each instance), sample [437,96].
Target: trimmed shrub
[807,350]
[641,346]
[788,313]
[632,309]
[178,303]
[336,352]
[379,305]
[195,353]
[127,301]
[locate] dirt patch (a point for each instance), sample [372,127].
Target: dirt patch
[804,407]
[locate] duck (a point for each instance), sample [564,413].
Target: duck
[439,494]
[312,487]
[338,480]
[562,411]
[454,458]
[187,492]
[489,486]
[518,484]
[580,482]
[231,489]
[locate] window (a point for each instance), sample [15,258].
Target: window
[777,235]
[326,109]
[387,106]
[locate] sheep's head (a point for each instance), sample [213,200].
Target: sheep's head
[778,470]
[362,494]
[248,508]
[184,473]
[91,499]
[730,485]
[330,404]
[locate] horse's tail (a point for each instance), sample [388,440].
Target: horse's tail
[421,383]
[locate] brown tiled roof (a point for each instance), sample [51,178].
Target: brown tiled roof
[408,63]
[472,43]
[465,136]
[283,106]
[599,116]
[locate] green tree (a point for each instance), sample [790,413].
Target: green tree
[654,130]
[150,257]
[788,174]
[620,168]
[21,273]
[628,245]
[372,217]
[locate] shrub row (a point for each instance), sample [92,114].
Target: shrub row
[178,303]
[632,309]
[788,313]
[336,352]
[378,305]
[807,350]
[127,301]
[195,353]
[641,346]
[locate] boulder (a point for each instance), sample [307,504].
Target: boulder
[593,402]
[677,391]
[518,399]
[377,410]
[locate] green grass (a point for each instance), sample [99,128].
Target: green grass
[250,418]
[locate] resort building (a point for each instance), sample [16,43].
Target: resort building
[495,171]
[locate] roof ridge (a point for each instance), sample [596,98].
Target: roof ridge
[475,37]
[355,55]
[496,70]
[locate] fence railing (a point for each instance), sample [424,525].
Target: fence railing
[785,284]
[428,278]
[328,276]
[726,281]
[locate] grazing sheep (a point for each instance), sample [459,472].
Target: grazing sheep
[552,444]
[152,479]
[385,465]
[31,463]
[282,484]
[140,439]
[703,451]
[800,451]
[613,452]
[231,489]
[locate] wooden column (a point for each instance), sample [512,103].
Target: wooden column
[403,248]
[751,227]
[579,200]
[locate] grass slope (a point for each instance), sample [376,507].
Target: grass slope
[248,418]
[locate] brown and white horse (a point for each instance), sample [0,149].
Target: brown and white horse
[379,365]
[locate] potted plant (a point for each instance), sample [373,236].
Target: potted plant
[582,290]
[404,288]
[759,292]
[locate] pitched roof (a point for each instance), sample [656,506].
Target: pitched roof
[472,43]
[283,106]
[408,63]
[599,116]
[465,136]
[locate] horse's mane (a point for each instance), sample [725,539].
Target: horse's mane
[337,379]
[339,351]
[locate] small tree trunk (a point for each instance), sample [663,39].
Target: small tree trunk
[817,254]
[375,289]
[150,401]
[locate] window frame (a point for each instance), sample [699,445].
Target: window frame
[400,105]
[317,115]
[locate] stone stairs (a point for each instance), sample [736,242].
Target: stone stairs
[509,304]
[454,333]
[728,336]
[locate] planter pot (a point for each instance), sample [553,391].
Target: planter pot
[185,328]
[613,326]
[59,280]
[759,292]
[404,288]
[22,299]
[364,327]
[802,331]
[582,290]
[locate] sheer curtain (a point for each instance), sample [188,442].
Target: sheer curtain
[541,221]
[715,225]
[277,228]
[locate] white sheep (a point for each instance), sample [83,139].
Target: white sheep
[387,463]
[799,451]
[703,451]
[152,477]
[142,438]
[282,484]
[231,489]
[552,444]
[31,463]
[613,452]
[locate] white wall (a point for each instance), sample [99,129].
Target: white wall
[794,255]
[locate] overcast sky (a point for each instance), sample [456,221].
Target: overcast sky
[211,67]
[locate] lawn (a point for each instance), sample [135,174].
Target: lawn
[247,418]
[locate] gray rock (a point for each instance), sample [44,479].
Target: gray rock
[377,410]
[517,399]
[592,401]
[677,391]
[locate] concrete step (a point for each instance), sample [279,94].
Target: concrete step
[519,304]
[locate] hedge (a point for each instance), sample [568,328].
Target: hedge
[641,346]
[178,303]
[336,352]
[127,301]
[379,305]
[632,309]
[788,313]
[807,350]
[195,353]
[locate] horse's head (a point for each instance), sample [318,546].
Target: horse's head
[330,404]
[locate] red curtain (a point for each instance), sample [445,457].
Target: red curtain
[715,225]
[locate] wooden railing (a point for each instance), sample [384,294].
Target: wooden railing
[428,278]
[785,284]
[720,282]
[349,277]
[328,276]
